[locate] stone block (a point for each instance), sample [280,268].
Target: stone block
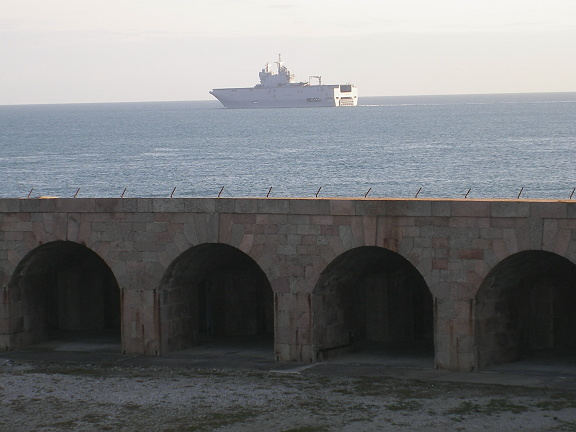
[10,205]
[562,244]
[294,239]
[280,285]
[422,242]
[342,207]
[510,209]
[145,205]
[441,208]
[491,233]
[274,205]
[246,205]
[168,205]
[47,205]
[513,238]
[308,230]
[558,210]
[567,224]
[549,233]
[440,242]
[272,219]
[286,249]
[438,232]
[296,353]
[444,308]
[282,352]
[439,264]
[465,362]
[55,224]
[17,226]
[346,237]
[7,236]
[109,205]
[129,205]
[370,228]
[33,205]
[502,222]
[225,205]
[570,209]
[471,254]
[410,207]
[309,206]
[308,353]
[76,205]
[79,231]
[442,359]
[371,207]
[434,221]
[440,253]
[322,220]
[203,228]
[469,222]
[200,205]
[469,208]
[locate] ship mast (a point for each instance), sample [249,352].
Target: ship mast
[279,62]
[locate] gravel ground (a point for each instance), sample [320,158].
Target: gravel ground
[84,397]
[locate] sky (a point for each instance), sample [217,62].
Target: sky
[83,51]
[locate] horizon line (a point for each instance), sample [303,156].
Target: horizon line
[216,101]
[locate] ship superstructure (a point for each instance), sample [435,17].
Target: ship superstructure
[278,89]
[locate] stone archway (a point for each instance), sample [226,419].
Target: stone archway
[371,294]
[214,291]
[64,290]
[526,305]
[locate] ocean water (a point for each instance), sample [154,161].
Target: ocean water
[493,146]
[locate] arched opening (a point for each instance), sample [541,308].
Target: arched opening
[66,292]
[212,293]
[373,300]
[525,309]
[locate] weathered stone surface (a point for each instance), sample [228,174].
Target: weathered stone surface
[453,244]
[342,207]
[509,208]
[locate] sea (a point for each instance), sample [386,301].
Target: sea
[459,146]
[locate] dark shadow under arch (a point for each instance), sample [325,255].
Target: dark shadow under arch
[64,290]
[214,291]
[371,294]
[526,305]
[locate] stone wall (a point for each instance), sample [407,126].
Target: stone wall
[454,245]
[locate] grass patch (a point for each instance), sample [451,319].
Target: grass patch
[557,402]
[404,405]
[306,429]
[495,406]
[214,421]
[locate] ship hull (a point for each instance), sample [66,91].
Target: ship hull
[290,96]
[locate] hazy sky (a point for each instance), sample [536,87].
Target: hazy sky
[59,51]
